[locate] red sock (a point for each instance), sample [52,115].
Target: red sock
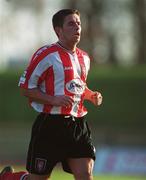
[14,176]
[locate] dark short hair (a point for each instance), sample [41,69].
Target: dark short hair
[58,18]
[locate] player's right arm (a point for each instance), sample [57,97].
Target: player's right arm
[36,72]
[38,96]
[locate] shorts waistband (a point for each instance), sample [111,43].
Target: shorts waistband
[60,116]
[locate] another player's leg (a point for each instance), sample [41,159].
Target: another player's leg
[8,174]
[6,169]
[5,172]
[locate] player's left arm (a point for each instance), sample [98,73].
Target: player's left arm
[93,96]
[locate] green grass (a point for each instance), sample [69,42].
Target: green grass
[59,174]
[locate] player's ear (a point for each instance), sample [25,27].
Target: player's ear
[58,31]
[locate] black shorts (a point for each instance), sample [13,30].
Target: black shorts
[56,138]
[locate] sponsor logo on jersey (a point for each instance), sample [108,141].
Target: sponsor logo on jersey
[68,68]
[75,86]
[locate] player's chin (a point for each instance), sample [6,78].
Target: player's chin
[76,39]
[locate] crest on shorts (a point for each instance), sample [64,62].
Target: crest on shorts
[40,164]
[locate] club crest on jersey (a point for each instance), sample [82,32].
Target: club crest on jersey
[75,86]
[40,164]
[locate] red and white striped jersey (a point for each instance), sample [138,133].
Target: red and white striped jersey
[57,71]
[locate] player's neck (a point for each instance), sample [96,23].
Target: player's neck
[68,47]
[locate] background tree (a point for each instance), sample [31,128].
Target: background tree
[140,12]
[108,32]
[113,32]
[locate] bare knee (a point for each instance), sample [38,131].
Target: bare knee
[82,168]
[83,175]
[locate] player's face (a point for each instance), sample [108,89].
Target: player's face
[71,30]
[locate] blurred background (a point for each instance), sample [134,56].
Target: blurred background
[114,35]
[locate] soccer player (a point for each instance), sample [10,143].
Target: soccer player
[55,84]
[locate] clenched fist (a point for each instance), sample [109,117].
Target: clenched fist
[94,96]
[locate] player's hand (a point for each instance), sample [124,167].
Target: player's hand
[62,100]
[96,98]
